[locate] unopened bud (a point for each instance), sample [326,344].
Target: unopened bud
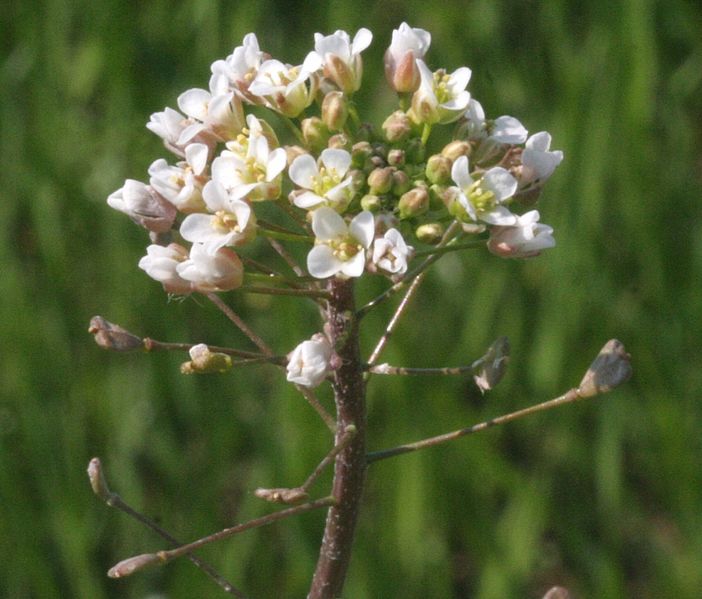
[611,368]
[413,203]
[144,205]
[430,233]
[204,361]
[315,133]
[285,496]
[396,157]
[335,110]
[415,151]
[401,183]
[397,127]
[371,202]
[113,337]
[489,370]
[97,480]
[403,74]
[557,593]
[380,180]
[456,148]
[360,153]
[133,564]
[340,141]
[438,170]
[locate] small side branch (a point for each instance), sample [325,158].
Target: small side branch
[241,325]
[102,490]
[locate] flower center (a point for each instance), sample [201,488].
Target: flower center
[325,180]
[442,88]
[483,199]
[345,248]
[224,222]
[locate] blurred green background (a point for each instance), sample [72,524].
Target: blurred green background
[604,497]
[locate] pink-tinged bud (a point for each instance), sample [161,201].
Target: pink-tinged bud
[380,180]
[335,110]
[113,337]
[222,271]
[339,141]
[128,566]
[204,361]
[557,593]
[413,203]
[456,148]
[397,127]
[403,75]
[611,368]
[315,133]
[438,170]
[396,157]
[144,206]
[161,264]
[430,233]
[339,72]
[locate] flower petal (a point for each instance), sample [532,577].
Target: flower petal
[321,262]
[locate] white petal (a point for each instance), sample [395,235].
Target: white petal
[302,170]
[540,141]
[321,262]
[197,227]
[508,130]
[354,267]
[499,215]
[308,200]
[500,182]
[215,196]
[362,227]
[361,40]
[339,160]
[460,78]
[194,103]
[276,163]
[327,224]
[196,155]
[460,173]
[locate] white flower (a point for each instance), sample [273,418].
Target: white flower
[526,238]
[503,130]
[390,252]
[239,69]
[538,163]
[441,98]
[408,44]
[482,198]
[232,221]
[221,115]
[341,248]
[283,88]
[324,185]
[308,363]
[143,205]
[161,263]
[341,57]
[182,184]
[221,271]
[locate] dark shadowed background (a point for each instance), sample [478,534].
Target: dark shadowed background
[603,497]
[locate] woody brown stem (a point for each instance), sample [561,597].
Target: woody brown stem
[350,463]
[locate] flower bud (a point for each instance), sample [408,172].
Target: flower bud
[438,169]
[143,205]
[360,153]
[315,133]
[340,141]
[489,370]
[413,203]
[456,148]
[430,233]
[396,157]
[284,496]
[397,127]
[112,336]
[335,110]
[292,152]
[611,368]
[401,183]
[97,480]
[371,202]
[380,180]
[204,361]
[414,151]
[133,564]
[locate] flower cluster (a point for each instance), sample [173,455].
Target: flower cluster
[362,197]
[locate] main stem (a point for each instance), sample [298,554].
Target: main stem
[350,464]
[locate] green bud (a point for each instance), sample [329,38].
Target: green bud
[455,149]
[430,233]
[315,133]
[414,151]
[371,202]
[360,153]
[413,203]
[204,361]
[397,127]
[401,183]
[380,180]
[335,110]
[438,169]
